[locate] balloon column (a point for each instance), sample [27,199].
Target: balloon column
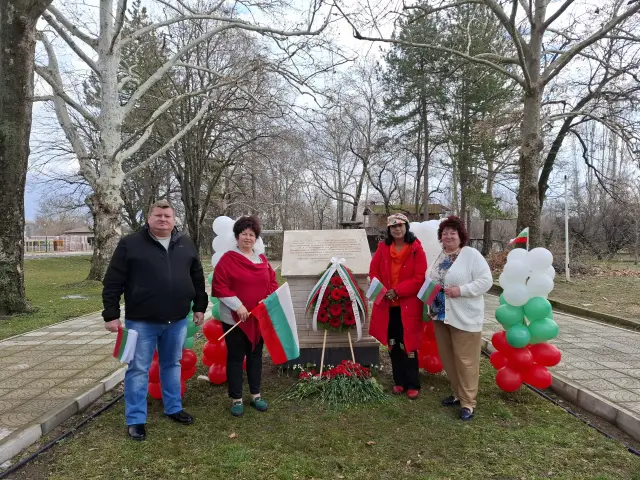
[214,352]
[192,329]
[428,356]
[522,354]
[225,239]
[188,368]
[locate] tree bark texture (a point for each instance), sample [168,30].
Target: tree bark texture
[17,51]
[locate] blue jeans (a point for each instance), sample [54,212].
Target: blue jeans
[169,339]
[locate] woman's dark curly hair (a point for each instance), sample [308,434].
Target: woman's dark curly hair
[248,221]
[409,237]
[455,223]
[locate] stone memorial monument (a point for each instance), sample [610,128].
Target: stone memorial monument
[305,256]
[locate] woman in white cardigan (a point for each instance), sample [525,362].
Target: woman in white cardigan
[458,312]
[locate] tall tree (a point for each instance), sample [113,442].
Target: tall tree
[545,44]
[102,166]
[18,20]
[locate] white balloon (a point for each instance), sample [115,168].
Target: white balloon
[516,295]
[518,255]
[539,285]
[540,259]
[217,243]
[551,272]
[519,271]
[222,225]
[259,246]
[216,258]
[503,280]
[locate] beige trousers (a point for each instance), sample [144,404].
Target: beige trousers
[460,355]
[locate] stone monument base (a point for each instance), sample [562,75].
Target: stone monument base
[365,355]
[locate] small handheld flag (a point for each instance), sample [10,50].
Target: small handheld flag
[278,325]
[125,345]
[429,291]
[523,237]
[376,291]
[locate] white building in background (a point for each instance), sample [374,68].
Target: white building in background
[74,240]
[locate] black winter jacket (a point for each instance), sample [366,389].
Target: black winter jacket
[158,284]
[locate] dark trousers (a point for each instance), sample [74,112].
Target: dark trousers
[404,365]
[239,347]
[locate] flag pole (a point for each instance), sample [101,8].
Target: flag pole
[324,344]
[353,356]
[528,232]
[566,232]
[225,333]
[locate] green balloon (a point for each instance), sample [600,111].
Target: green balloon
[188,343]
[508,315]
[535,340]
[192,328]
[537,308]
[215,310]
[545,329]
[210,278]
[502,300]
[518,336]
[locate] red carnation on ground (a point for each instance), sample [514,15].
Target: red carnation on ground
[335,322]
[335,310]
[336,281]
[336,294]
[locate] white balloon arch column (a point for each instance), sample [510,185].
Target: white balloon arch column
[225,239]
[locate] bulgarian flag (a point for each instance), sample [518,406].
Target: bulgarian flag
[125,345]
[523,237]
[376,291]
[429,290]
[278,325]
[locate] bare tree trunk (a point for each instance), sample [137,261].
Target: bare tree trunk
[17,52]
[425,144]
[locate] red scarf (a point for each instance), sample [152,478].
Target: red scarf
[237,276]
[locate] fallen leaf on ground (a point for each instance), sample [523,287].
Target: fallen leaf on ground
[233,436]
[371,442]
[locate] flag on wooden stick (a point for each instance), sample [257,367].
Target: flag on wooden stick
[278,325]
[125,345]
[429,291]
[376,291]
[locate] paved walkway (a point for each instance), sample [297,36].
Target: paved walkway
[49,374]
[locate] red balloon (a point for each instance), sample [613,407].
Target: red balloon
[186,374]
[207,361]
[428,330]
[218,374]
[216,352]
[433,364]
[498,360]
[212,330]
[537,376]
[428,347]
[508,379]
[499,341]
[244,363]
[189,359]
[520,358]
[546,354]
[154,372]
[155,391]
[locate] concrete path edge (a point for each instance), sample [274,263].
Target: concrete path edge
[584,398]
[26,437]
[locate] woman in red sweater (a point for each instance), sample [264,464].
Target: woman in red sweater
[400,264]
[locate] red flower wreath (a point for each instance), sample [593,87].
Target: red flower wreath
[336,309]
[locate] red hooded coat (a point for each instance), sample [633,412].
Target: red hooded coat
[411,278]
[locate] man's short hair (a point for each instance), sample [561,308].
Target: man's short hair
[161,204]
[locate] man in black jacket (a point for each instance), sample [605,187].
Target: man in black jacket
[160,273]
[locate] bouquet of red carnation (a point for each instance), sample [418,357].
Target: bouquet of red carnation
[337,301]
[346,385]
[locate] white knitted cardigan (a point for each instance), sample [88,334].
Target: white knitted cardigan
[472,274]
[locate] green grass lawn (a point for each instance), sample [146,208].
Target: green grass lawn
[514,436]
[46,281]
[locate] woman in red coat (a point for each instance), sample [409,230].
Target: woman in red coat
[400,264]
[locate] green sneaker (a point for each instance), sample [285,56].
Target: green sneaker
[259,404]
[237,409]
